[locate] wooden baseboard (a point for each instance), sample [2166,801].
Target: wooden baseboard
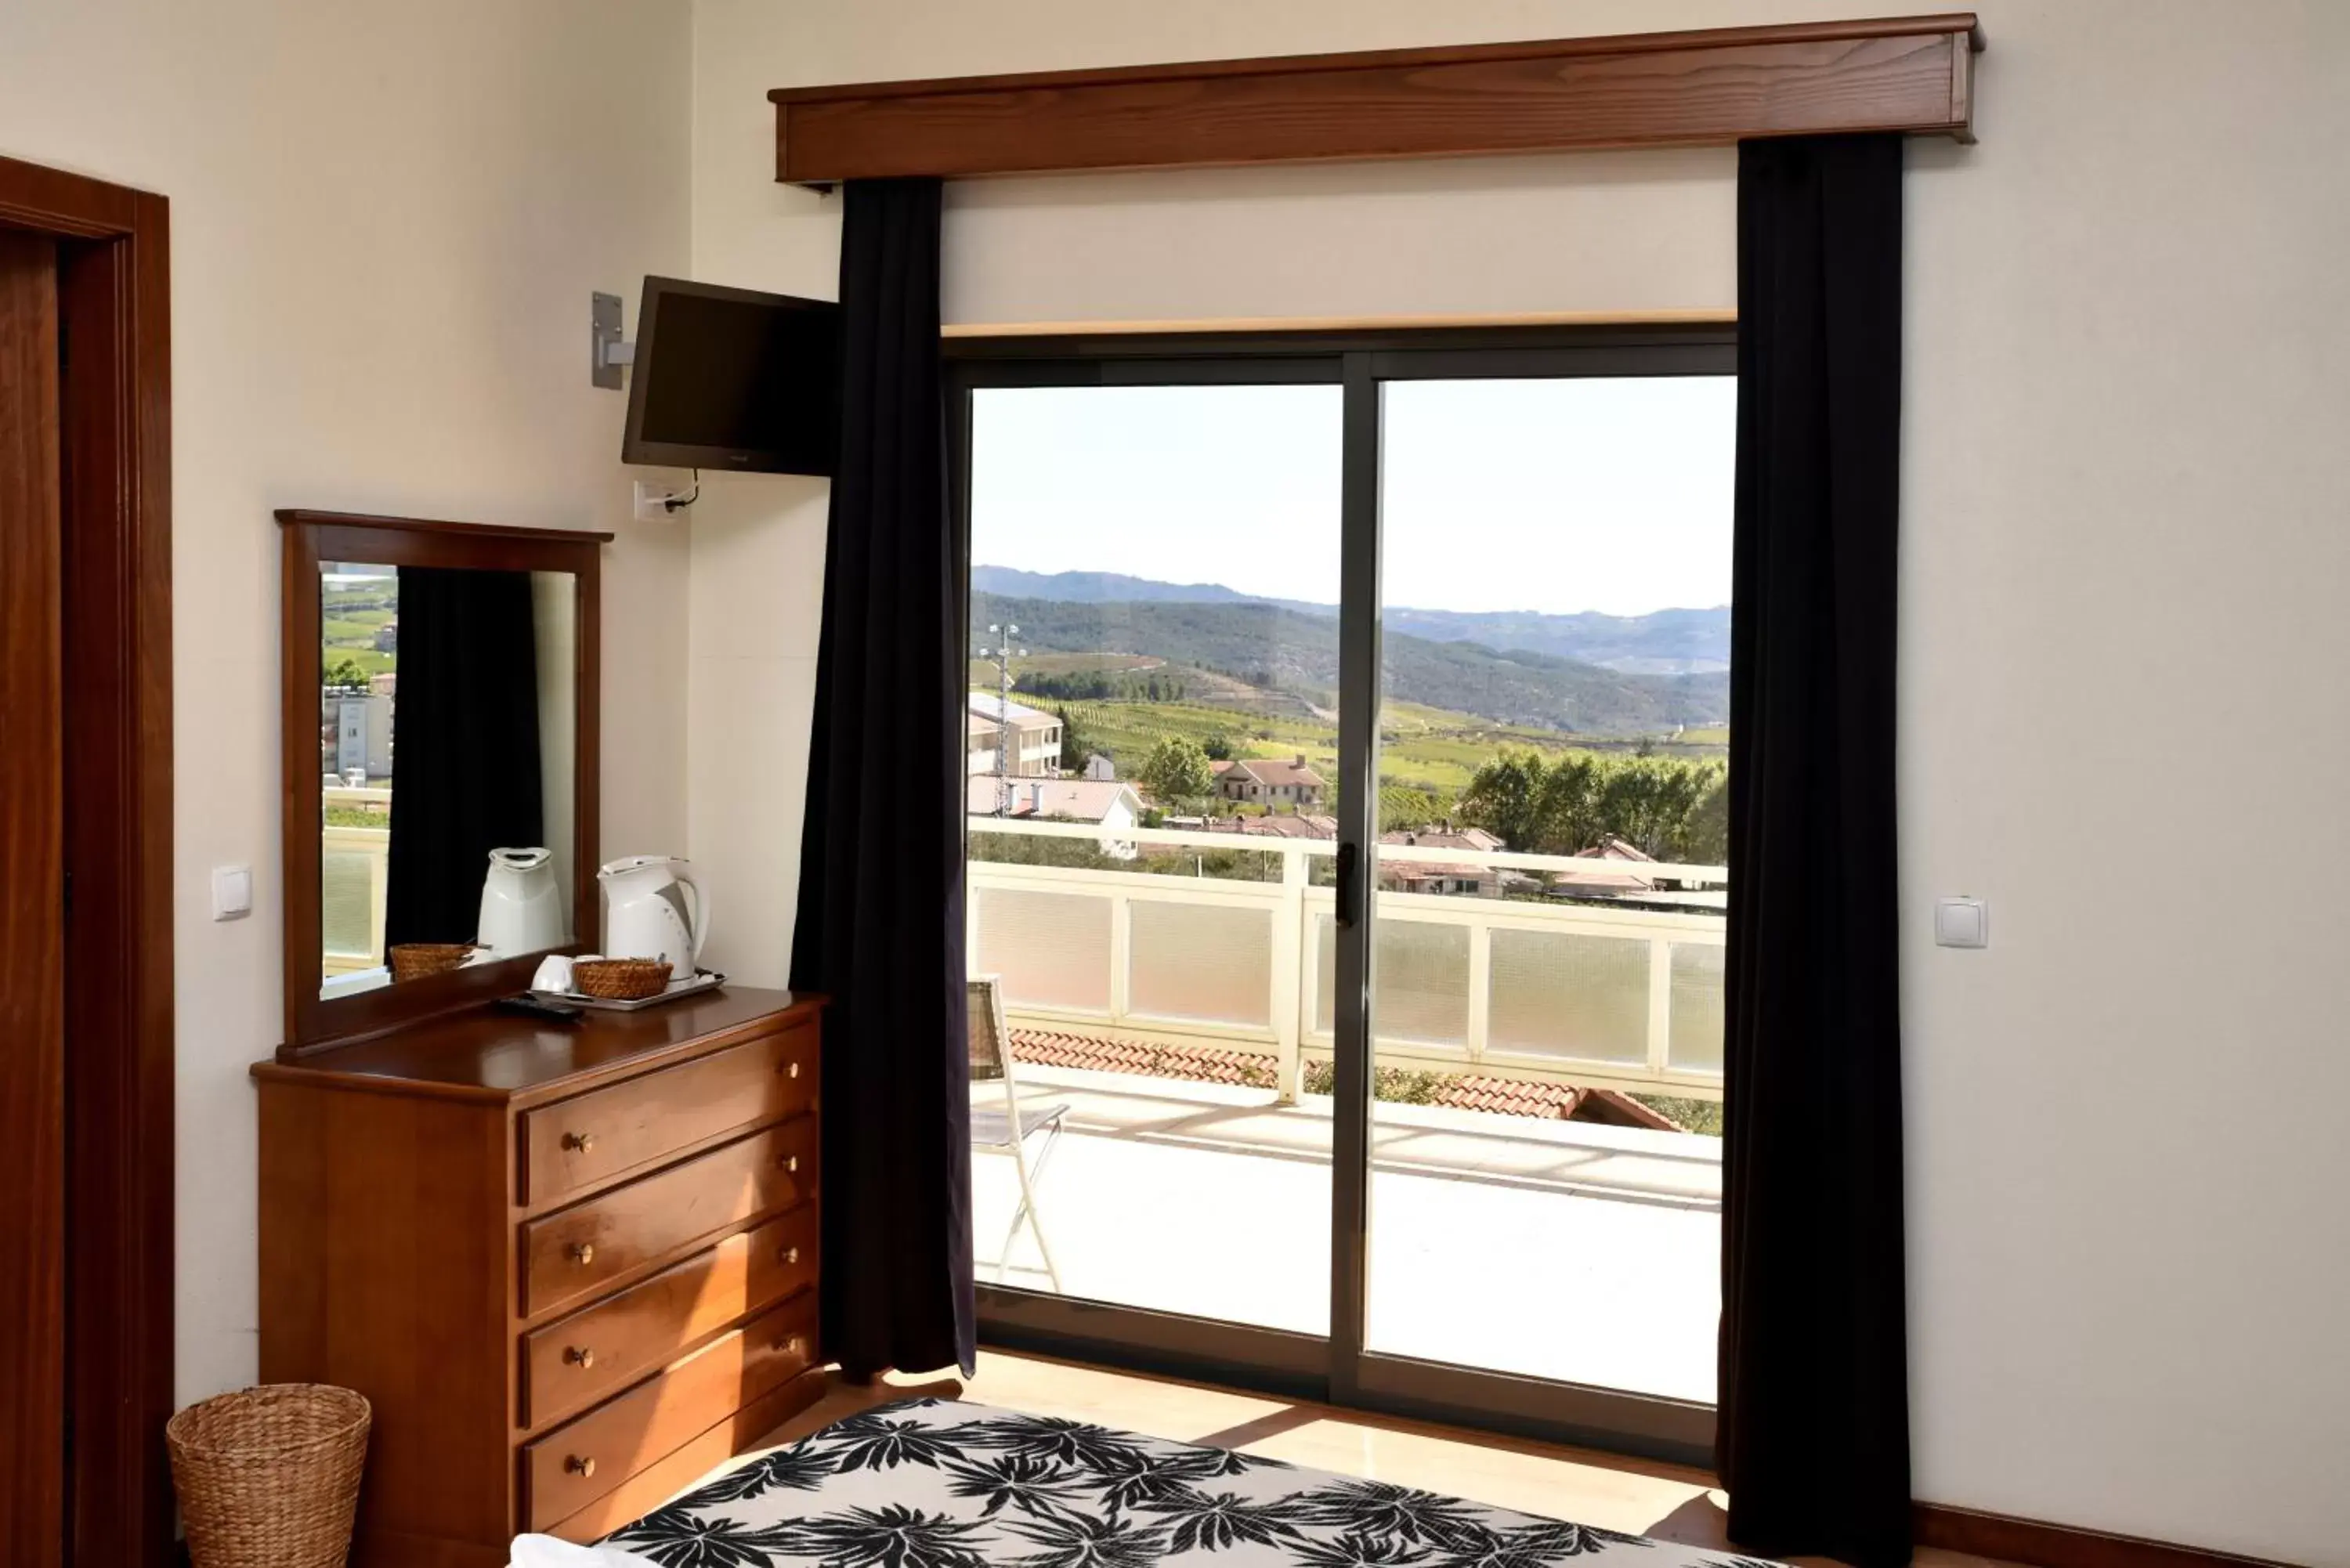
[2044,1545]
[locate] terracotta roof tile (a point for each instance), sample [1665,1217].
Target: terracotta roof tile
[1213,1064]
[1195,1064]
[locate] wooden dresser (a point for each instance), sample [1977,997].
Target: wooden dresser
[573,1266]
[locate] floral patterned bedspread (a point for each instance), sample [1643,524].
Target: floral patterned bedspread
[936,1483]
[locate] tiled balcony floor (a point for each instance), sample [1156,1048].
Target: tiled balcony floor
[1562,1250]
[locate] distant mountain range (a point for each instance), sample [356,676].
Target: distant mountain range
[1665,642]
[1278,648]
[1099,588]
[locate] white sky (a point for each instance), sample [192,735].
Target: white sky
[1610,494]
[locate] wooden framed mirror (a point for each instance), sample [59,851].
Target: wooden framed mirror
[441,756]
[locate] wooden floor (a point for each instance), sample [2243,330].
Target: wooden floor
[1579,1484]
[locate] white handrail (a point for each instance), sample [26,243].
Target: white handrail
[1101,993]
[1272,844]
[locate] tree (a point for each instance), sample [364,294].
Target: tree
[346,672]
[1646,802]
[1708,825]
[1670,807]
[1218,747]
[1176,771]
[1073,743]
[1505,798]
[1571,803]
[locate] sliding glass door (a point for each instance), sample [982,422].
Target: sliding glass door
[1154,584]
[1344,787]
[1549,1018]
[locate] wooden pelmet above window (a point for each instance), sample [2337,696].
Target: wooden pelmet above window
[1910,75]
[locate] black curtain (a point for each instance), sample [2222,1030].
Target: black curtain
[465,771]
[1814,1444]
[880,925]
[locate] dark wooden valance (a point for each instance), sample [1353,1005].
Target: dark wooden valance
[1715,87]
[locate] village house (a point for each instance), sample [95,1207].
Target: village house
[1447,877]
[1256,782]
[1032,750]
[1108,804]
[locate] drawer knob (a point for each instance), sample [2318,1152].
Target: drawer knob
[579,1466]
[790,1254]
[796,1070]
[580,1355]
[582,1251]
[582,1142]
[792,1162]
[795,1347]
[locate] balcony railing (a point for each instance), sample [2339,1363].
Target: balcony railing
[352,864]
[1588,992]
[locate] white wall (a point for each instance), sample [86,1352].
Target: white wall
[386,221]
[2122,650]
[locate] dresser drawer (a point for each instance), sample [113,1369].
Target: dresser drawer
[579,1360]
[579,1142]
[580,1462]
[570,1254]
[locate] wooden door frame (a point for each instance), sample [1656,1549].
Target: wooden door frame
[114,403]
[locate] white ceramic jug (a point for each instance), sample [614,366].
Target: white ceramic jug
[655,911]
[522,908]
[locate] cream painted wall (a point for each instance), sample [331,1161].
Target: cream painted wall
[386,221]
[2122,565]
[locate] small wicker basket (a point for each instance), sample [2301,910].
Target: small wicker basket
[414,960]
[620,980]
[269,1476]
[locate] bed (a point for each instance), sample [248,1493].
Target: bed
[939,1483]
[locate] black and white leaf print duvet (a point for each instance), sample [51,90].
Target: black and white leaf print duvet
[934,1483]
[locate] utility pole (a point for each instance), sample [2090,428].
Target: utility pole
[1001,656]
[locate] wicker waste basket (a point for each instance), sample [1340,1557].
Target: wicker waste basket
[269,1476]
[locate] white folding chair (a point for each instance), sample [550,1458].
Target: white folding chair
[1007,1131]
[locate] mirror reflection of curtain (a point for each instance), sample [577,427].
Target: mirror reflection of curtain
[465,762]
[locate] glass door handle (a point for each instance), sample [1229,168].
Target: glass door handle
[1349,858]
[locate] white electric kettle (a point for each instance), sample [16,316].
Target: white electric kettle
[656,911]
[522,908]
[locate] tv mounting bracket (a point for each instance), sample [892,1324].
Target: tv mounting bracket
[606,354]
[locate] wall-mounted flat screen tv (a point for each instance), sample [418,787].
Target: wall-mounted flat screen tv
[734,378]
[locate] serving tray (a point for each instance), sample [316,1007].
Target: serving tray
[707,980]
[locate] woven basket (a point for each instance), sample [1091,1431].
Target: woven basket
[269,1476]
[414,960]
[620,980]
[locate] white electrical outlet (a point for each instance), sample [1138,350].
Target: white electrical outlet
[653,503]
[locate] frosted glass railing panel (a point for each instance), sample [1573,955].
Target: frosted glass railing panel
[1422,971]
[1585,998]
[1326,974]
[346,905]
[1052,950]
[1420,985]
[1695,1044]
[1208,963]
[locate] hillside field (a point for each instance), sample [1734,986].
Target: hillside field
[1420,747]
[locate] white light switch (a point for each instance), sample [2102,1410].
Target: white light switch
[231,892]
[1961,923]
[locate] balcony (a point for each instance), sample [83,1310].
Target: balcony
[353,863]
[1531,1244]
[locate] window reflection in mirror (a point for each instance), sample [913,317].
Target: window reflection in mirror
[446,716]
